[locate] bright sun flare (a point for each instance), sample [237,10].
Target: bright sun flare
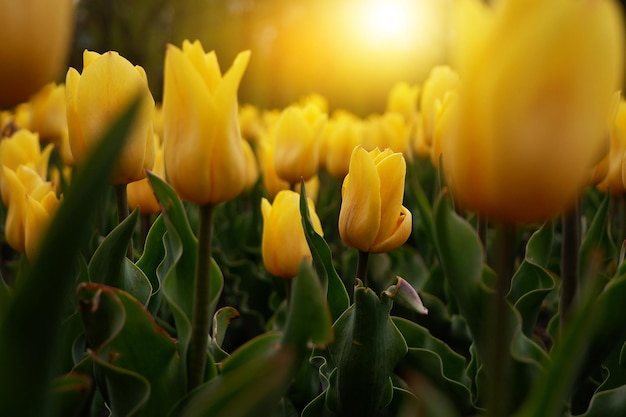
[385,21]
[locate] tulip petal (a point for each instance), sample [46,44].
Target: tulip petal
[399,234]
[391,171]
[359,217]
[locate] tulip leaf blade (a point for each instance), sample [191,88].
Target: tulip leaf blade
[26,368]
[135,350]
[367,348]
[149,261]
[435,360]
[109,264]
[338,299]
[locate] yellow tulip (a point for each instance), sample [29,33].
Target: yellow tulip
[388,130]
[39,211]
[48,113]
[18,185]
[297,135]
[252,169]
[612,181]
[284,245]
[140,193]
[530,119]
[372,218]
[96,98]
[403,99]
[35,37]
[22,148]
[204,160]
[438,94]
[344,133]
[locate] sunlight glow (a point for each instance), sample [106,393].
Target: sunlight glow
[383,22]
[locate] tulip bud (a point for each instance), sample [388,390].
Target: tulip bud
[372,218]
[612,181]
[204,160]
[18,185]
[39,211]
[140,193]
[35,37]
[284,245]
[403,99]
[48,113]
[344,133]
[530,119]
[23,148]
[96,98]
[297,134]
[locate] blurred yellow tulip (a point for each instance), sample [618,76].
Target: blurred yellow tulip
[284,245]
[372,217]
[22,148]
[35,37]
[251,167]
[96,98]
[296,145]
[18,185]
[140,193]
[343,134]
[612,180]
[204,159]
[530,119]
[48,113]
[403,99]
[39,211]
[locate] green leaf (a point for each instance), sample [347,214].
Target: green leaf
[251,389]
[33,317]
[177,271]
[109,264]
[597,243]
[153,254]
[608,403]
[221,321]
[434,359]
[308,319]
[336,294]
[133,348]
[5,299]
[71,394]
[367,348]
[462,260]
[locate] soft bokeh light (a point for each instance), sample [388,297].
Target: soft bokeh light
[351,51]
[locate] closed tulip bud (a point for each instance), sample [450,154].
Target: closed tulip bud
[35,37]
[388,130]
[297,135]
[49,115]
[612,180]
[403,99]
[344,134]
[537,80]
[252,169]
[284,245]
[204,160]
[17,186]
[140,193]
[39,211]
[372,218]
[271,181]
[96,98]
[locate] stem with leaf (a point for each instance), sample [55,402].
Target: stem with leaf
[570,223]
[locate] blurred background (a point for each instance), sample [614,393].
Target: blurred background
[350,51]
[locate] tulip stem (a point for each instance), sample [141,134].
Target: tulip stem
[123,212]
[499,365]
[361,268]
[201,320]
[570,224]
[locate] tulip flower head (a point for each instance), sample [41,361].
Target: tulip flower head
[204,159]
[284,245]
[530,119]
[372,217]
[96,98]
[297,135]
[35,37]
